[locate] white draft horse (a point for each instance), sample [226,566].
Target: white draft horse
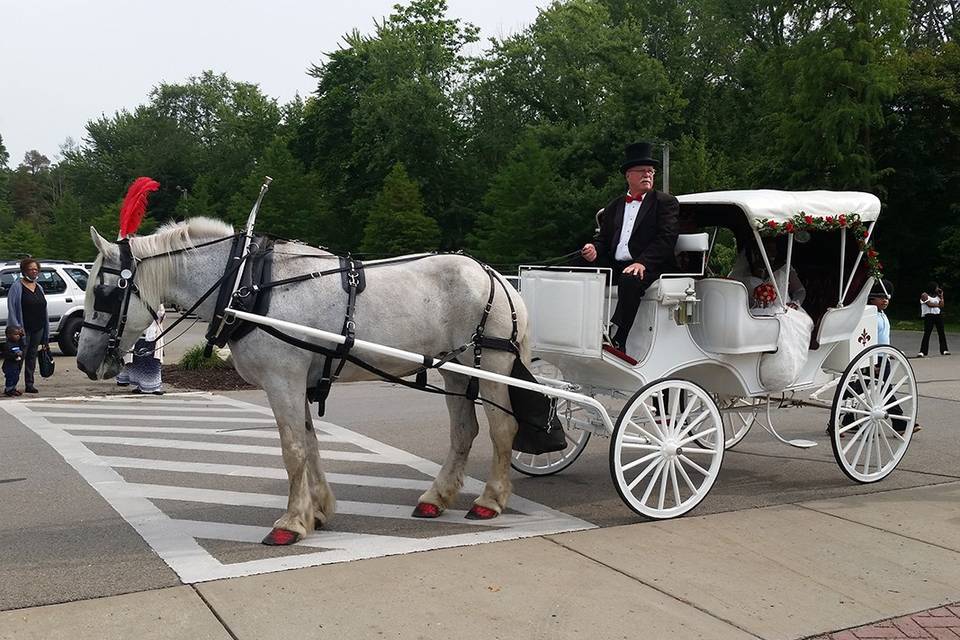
[430,306]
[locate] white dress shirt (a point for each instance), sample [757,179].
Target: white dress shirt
[630,211]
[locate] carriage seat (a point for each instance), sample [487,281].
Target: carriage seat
[837,323]
[726,325]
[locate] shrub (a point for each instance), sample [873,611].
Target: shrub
[193,360]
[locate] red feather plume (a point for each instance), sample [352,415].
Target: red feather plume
[135,204]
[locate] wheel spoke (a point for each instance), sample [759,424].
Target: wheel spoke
[693,464]
[673,481]
[663,487]
[700,434]
[674,409]
[653,481]
[863,440]
[631,423]
[864,386]
[854,439]
[700,418]
[897,403]
[686,478]
[859,412]
[649,416]
[686,412]
[635,439]
[639,461]
[886,440]
[894,389]
[904,418]
[887,377]
[662,413]
[856,394]
[852,425]
[642,447]
[896,434]
[697,450]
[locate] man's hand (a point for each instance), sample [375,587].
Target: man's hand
[589,252]
[635,269]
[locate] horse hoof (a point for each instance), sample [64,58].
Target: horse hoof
[426,510]
[480,513]
[281,538]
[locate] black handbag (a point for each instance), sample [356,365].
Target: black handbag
[47,365]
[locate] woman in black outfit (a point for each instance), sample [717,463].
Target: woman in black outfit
[27,308]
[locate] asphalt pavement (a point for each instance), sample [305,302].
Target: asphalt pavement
[122,531]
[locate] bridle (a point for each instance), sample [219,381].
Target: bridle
[114,299]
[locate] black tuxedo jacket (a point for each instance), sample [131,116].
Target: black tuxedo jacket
[654,232]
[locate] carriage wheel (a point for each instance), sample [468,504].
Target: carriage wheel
[874,410]
[656,466]
[545,464]
[736,424]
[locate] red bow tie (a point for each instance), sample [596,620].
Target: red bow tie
[631,198]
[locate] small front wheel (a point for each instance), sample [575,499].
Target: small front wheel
[656,465]
[874,410]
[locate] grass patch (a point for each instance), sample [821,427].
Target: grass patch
[917,325]
[193,360]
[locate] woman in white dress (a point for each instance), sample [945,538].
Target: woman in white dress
[780,369]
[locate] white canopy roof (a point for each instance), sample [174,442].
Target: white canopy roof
[781,206]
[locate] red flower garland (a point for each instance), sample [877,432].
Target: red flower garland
[804,222]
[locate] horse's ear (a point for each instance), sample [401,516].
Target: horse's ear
[103,245]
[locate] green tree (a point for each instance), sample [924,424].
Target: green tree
[22,240]
[397,223]
[387,98]
[67,237]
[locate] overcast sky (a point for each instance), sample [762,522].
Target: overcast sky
[65,62]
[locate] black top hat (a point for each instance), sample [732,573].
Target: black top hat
[636,154]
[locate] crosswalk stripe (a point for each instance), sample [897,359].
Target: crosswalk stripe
[195,445]
[207,407]
[268,433]
[209,468]
[273,501]
[155,417]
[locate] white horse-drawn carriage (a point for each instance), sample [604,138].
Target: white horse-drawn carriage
[699,369]
[693,375]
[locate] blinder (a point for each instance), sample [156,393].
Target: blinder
[114,299]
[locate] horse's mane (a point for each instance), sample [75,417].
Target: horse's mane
[172,236]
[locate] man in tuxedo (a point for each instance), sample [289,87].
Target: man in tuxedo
[638,232]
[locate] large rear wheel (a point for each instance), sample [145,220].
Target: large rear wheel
[874,411]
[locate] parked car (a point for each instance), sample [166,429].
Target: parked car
[64,284]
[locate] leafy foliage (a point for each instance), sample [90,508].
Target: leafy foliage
[418,136]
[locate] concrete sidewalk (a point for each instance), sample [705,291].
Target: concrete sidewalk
[792,571]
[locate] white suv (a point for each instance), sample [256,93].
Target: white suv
[64,284]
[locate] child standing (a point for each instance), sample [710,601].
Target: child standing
[12,360]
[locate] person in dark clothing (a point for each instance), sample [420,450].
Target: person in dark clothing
[638,233]
[12,353]
[27,308]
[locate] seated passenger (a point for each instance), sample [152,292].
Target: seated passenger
[752,272]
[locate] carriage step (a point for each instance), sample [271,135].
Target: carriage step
[612,350]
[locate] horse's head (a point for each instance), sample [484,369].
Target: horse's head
[114,314]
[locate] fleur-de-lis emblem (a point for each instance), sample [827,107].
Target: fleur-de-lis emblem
[864,338]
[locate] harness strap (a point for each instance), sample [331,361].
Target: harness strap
[353,279]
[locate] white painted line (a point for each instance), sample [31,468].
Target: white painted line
[248,533]
[133,406]
[269,433]
[231,470]
[274,501]
[195,445]
[155,417]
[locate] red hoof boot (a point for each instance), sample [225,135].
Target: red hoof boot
[426,510]
[480,513]
[281,538]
